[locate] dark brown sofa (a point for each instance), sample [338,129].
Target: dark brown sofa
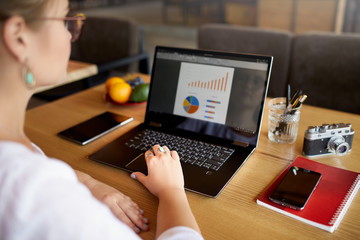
[326,66]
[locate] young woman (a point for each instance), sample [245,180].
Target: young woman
[43,198]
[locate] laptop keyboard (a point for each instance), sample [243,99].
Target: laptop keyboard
[206,155]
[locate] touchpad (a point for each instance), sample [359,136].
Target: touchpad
[138,164]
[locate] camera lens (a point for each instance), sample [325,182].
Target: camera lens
[338,145]
[342,148]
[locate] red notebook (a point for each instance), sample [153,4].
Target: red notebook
[329,201]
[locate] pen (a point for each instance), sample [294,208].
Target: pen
[295,96]
[297,103]
[287,99]
[288,95]
[301,100]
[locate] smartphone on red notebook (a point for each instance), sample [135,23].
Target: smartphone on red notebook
[295,188]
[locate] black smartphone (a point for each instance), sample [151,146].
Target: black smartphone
[295,188]
[95,127]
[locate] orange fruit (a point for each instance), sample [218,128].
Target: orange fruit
[120,92]
[111,81]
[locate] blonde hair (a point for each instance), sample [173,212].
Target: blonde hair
[28,9]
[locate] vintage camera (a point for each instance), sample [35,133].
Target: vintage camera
[328,139]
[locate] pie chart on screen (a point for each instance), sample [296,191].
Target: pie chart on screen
[191,104]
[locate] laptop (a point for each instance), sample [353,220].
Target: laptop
[206,105]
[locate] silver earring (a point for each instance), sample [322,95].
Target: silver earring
[28,77]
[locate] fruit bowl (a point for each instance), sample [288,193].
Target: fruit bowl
[108,99]
[134,91]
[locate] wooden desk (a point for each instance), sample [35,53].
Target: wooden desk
[76,71]
[234,214]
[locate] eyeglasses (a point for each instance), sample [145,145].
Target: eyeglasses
[73,24]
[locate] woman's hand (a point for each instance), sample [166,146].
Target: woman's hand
[164,171]
[165,180]
[121,205]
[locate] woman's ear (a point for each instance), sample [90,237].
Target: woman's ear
[14,37]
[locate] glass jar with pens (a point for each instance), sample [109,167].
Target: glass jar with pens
[284,117]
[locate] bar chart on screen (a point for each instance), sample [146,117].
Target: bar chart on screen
[219,84]
[203,92]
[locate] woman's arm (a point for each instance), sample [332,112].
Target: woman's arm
[174,210]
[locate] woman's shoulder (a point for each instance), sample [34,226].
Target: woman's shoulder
[17,159]
[12,148]
[12,152]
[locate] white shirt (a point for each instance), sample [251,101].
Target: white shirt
[41,198]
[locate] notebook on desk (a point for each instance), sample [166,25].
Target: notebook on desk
[207,106]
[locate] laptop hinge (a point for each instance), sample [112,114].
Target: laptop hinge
[241,144]
[155,124]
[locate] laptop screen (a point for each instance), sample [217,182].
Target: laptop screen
[209,93]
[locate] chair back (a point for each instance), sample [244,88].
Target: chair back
[106,39]
[326,66]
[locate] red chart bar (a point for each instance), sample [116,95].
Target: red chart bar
[222,84]
[226,81]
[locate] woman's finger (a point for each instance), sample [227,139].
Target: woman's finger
[166,149]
